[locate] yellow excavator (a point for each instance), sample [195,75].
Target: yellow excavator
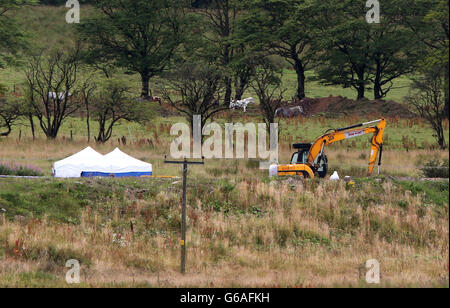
[310,159]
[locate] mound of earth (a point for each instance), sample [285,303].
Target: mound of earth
[342,106]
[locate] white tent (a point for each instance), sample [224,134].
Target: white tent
[73,166]
[119,164]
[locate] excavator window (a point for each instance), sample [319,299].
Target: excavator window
[294,158]
[300,157]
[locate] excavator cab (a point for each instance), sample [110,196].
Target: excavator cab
[301,157]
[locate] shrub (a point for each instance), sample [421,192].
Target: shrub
[18,170]
[436,168]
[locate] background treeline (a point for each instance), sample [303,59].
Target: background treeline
[195,3]
[198,56]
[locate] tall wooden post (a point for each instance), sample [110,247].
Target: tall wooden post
[183,220]
[185,163]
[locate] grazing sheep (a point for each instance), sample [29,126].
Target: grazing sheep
[289,112]
[242,103]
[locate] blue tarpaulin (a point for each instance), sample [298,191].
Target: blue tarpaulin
[115,175]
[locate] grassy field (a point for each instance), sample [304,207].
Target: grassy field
[408,143]
[244,229]
[241,233]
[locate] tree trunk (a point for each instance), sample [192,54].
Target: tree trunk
[30,118]
[52,131]
[101,131]
[51,135]
[446,92]
[240,86]
[145,78]
[361,85]
[300,70]
[88,125]
[228,91]
[361,92]
[440,136]
[377,90]
[8,127]
[300,79]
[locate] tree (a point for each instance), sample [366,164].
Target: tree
[438,20]
[52,80]
[394,49]
[199,87]
[113,103]
[27,106]
[266,84]
[244,67]
[353,53]
[87,91]
[140,36]
[220,17]
[280,27]
[10,112]
[429,100]
[12,38]
[429,22]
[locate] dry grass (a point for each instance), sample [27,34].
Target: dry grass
[277,234]
[352,161]
[244,230]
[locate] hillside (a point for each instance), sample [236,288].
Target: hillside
[47,28]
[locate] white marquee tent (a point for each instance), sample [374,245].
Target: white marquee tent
[71,167]
[89,163]
[119,164]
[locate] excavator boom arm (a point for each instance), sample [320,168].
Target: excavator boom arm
[350,132]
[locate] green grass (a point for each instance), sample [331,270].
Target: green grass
[398,134]
[33,279]
[63,200]
[435,192]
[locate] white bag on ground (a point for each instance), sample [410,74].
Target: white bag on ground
[334,176]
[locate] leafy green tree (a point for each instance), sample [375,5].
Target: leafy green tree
[12,37]
[280,27]
[429,21]
[429,100]
[195,88]
[139,36]
[220,19]
[267,86]
[342,43]
[353,53]
[394,49]
[10,112]
[52,88]
[112,103]
[243,67]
